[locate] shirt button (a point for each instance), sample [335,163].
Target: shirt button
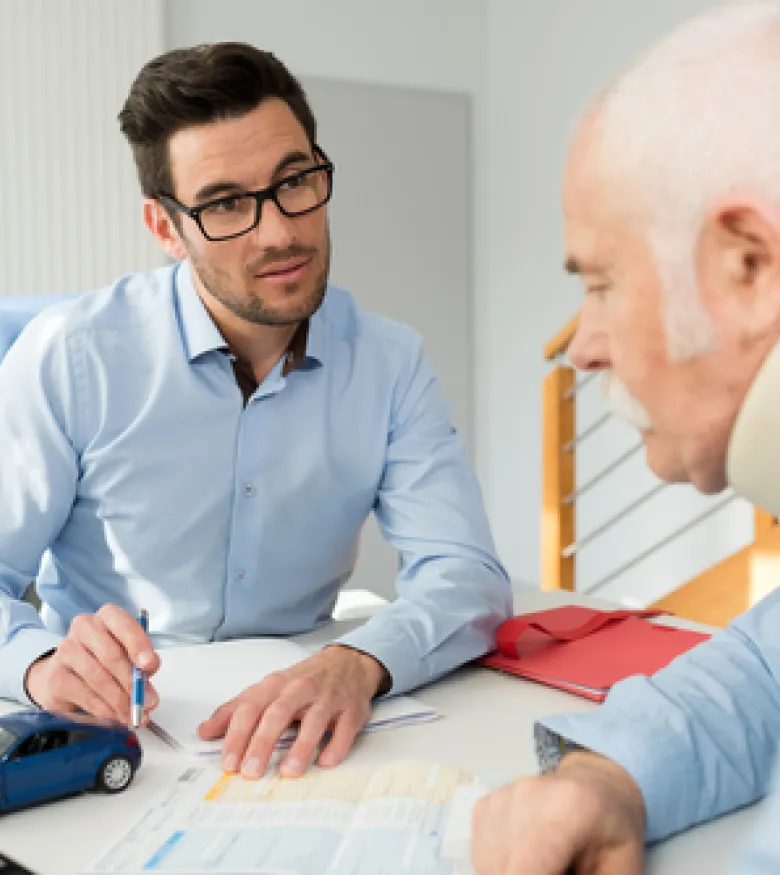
[249,491]
[240,575]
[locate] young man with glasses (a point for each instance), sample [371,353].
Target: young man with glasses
[206,441]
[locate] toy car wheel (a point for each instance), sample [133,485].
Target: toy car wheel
[115,774]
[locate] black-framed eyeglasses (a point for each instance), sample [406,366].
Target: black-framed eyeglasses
[233,215]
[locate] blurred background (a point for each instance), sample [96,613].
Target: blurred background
[448,122]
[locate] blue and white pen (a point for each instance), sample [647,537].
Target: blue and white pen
[139,681]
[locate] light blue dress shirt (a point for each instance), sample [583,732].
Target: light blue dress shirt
[761,855]
[700,736]
[131,465]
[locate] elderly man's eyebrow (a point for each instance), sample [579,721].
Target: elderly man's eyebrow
[577,267]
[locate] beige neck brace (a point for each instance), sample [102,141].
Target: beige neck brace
[753,459]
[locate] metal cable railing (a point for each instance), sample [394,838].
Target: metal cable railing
[596,533]
[715,594]
[587,433]
[659,545]
[581,384]
[572,550]
[603,474]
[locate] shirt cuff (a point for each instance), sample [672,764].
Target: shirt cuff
[649,750]
[17,655]
[390,646]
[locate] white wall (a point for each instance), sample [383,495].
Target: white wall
[71,205]
[543,62]
[436,44]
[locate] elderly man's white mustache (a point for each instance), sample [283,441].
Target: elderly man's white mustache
[623,404]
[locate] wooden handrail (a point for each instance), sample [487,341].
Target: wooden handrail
[558,478]
[560,343]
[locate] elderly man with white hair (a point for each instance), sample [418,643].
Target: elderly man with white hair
[672,207]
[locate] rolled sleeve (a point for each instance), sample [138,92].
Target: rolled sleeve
[390,645]
[648,743]
[700,736]
[762,852]
[452,590]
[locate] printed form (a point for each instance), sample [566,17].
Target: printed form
[346,821]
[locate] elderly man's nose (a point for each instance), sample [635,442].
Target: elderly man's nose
[588,350]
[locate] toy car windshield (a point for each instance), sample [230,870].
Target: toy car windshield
[7,740]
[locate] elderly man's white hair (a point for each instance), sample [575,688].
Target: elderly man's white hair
[697,117]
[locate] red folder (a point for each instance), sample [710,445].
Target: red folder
[585,651]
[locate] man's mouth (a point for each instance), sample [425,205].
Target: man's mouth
[286,272]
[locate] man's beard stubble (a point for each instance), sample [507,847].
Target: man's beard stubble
[248,305]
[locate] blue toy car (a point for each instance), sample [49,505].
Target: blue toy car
[44,755]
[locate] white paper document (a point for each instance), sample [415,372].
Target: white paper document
[456,841]
[346,821]
[193,681]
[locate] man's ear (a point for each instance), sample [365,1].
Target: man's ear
[165,232]
[738,265]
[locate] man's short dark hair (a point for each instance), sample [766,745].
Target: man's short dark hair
[200,85]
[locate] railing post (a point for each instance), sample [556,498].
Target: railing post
[557,525]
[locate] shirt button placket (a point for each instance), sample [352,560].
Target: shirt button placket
[249,491]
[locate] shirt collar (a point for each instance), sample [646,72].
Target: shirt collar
[315,339]
[201,335]
[199,332]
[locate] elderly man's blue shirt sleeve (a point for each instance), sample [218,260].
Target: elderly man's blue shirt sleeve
[699,737]
[761,855]
[38,415]
[452,590]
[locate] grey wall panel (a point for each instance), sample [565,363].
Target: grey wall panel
[401,225]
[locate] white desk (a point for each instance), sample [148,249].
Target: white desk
[486,723]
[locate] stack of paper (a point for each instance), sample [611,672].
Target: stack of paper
[345,821]
[194,681]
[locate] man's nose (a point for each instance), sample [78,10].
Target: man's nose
[275,230]
[589,350]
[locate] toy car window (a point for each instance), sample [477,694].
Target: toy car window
[31,745]
[42,742]
[7,740]
[54,739]
[77,736]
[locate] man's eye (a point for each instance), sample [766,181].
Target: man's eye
[291,182]
[598,291]
[229,205]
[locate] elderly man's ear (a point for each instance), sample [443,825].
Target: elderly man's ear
[738,266]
